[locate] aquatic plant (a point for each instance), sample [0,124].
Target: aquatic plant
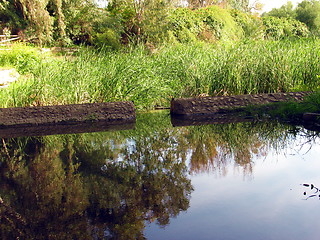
[152,79]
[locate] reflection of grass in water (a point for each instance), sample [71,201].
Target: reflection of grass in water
[288,111]
[212,146]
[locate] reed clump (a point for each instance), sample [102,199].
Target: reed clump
[152,78]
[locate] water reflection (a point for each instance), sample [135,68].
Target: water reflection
[110,185]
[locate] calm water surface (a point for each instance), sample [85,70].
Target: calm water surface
[235,181]
[265,203]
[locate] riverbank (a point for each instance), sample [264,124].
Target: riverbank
[80,118]
[151,80]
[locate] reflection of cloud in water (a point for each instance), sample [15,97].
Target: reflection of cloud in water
[252,146]
[268,207]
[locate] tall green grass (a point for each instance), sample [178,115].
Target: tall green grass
[152,79]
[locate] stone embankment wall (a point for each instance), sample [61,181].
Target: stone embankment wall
[63,119]
[211,105]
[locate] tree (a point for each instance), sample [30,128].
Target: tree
[280,28]
[142,19]
[202,3]
[38,18]
[59,18]
[29,15]
[308,12]
[11,16]
[285,11]
[45,21]
[252,25]
[244,5]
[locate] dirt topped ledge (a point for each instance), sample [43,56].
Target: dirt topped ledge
[212,105]
[96,115]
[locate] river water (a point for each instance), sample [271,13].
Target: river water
[250,180]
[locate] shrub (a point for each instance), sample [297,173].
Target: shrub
[20,56]
[109,38]
[211,24]
[280,28]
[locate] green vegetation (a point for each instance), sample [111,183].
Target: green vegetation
[151,51]
[152,79]
[307,12]
[289,111]
[123,22]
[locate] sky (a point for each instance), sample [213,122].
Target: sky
[269,4]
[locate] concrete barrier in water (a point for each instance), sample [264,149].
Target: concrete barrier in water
[63,119]
[223,109]
[211,105]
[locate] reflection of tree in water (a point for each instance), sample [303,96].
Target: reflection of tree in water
[146,181]
[45,193]
[91,188]
[108,185]
[215,147]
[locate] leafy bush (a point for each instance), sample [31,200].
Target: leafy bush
[221,22]
[20,56]
[109,38]
[280,28]
[251,25]
[210,24]
[185,24]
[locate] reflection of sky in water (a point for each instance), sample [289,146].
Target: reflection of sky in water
[268,205]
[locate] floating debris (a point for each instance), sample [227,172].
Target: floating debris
[312,187]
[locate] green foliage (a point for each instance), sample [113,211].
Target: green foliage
[46,21]
[185,24]
[11,16]
[142,21]
[285,11]
[251,25]
[80,17]
[155,21]
[22,57]
[123,14]
[308,12]
[210,24]
[40,23]
[180,70]
[282,28]
[223,24]
[109,38]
